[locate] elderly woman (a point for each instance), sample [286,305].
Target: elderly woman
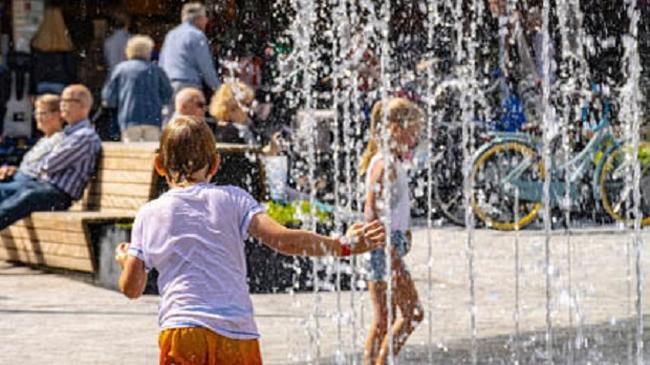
[138,89]
[48,121]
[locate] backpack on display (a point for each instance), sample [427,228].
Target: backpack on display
[18,117]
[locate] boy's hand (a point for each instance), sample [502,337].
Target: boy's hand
[369,236]
[121,253]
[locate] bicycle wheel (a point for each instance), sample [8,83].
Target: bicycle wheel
[616,194]
[493,199]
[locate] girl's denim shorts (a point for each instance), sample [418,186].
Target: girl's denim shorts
[377,263]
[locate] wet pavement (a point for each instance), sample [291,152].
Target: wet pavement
[63,319]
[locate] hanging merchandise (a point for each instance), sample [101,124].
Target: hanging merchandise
[27,15]
[18,118]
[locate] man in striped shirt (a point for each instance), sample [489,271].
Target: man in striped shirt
[63,172]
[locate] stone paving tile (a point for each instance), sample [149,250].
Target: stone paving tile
[55,319]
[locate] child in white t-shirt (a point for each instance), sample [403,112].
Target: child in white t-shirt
[194,236]
[402,120]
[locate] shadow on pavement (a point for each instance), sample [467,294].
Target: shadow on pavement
[606,343]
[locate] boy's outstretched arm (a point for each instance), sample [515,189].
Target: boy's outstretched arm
[133,278]
[307,243]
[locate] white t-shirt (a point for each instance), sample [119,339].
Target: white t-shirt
[400,204]
[194,237]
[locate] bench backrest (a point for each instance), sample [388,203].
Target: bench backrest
[125,179]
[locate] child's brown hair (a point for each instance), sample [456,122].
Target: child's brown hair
[399,110]
[187,145]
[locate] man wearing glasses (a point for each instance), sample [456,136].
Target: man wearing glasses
[190,102]
[62,173]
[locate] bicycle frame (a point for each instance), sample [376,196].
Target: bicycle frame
[576,167]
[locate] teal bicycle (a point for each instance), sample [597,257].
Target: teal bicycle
[507,176]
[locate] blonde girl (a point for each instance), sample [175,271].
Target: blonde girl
[404,121]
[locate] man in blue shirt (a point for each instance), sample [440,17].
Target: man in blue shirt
[63,172]
[185,55]
[138,89]
[115,44]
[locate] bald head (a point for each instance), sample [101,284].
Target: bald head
[190,101]
[76,101]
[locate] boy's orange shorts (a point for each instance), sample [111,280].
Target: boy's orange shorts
[200,346]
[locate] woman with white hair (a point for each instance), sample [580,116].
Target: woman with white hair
[138,89]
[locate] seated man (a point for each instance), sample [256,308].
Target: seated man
[191,102]
[62,173]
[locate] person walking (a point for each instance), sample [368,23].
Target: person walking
[115,44]
[403,122]
[185,55]
[138,89]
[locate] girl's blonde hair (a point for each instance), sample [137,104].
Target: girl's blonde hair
[52,34]
[187,145]
[228,99]
[398,110]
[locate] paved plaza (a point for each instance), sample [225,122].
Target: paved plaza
[50,318]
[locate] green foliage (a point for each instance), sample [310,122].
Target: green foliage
[290,213]
[123,225]
[283,214]
[644,153]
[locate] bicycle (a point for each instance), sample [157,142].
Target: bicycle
[507,176]
[447,160]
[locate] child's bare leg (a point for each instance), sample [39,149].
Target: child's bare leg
[378,327]
[406,297]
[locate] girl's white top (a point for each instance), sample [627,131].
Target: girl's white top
[194,237]
[400,204]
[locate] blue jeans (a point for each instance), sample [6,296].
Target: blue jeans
[25,194]
[377,264]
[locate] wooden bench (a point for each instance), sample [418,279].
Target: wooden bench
[125,180]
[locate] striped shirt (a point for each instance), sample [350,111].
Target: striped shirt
[71,164]
[32,160]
